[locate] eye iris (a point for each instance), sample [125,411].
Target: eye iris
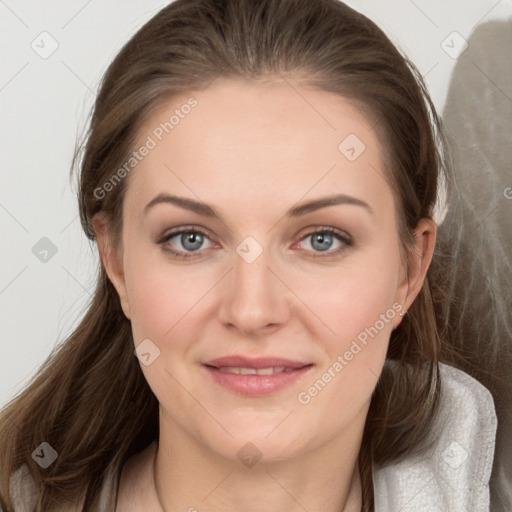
[323,239]
[195,239]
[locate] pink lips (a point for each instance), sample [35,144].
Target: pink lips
[255,376]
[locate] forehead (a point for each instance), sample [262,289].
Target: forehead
[245,143]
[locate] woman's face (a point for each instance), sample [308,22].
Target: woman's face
[264,270]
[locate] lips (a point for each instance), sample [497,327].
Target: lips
[256,363]
[271,370]
[255,376]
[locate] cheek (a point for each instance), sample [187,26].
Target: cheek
[352,298]
[164,304]
[341,389]
[161,304]
[150,303]
[357,303]
[161,294]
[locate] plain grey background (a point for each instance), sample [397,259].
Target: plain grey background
[53,56]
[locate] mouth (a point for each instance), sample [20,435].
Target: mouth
[254,371]
[255,377]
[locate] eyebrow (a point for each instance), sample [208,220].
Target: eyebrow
[296,211]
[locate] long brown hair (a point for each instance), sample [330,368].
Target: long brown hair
[90,400]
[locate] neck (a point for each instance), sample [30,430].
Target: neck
[188,477]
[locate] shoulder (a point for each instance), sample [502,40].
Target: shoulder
[23,490]
[24,493]
[136,482]
[132,493]
[454,474]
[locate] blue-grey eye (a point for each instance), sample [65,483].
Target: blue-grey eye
[185,242]
[327,240]
[321,241]
[191,241]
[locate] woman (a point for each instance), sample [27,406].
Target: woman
[260,179]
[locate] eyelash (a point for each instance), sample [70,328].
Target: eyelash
[341,236]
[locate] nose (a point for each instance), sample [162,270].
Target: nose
[254,300]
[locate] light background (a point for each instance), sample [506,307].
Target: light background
[44,107]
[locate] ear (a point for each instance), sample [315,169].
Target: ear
[419,259]
[111,259]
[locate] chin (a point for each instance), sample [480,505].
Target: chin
[251,446]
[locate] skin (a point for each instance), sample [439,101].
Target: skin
[252,151]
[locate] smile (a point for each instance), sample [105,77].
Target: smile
[256,377]
[254,371]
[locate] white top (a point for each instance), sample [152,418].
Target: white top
[453,476]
